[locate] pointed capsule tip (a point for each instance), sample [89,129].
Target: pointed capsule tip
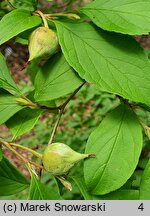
[92,155]
[30,59]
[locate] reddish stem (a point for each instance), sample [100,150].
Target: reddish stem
[92,155]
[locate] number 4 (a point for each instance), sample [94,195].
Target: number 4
[141,207]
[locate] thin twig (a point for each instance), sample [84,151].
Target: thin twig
[42,16]
[23,100]
[8,146]
[35,164]
[27,149]
[124,101]
[72,95]
[10,5]
[62,107]
[56,126]
[133,109]
[60,110]
[48,108]
[13,150]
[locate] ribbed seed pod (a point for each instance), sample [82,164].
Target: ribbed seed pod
[58,158]
[43,43]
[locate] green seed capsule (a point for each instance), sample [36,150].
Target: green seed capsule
[43,43]
[58,158]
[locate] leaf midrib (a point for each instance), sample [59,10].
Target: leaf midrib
[111,152]
[104,59]
[118,12]
[13,180]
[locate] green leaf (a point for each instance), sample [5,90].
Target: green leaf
[1,154]
[79,180]
[23,121]
[114,62]
[145,183]
[125,16]
[6,81]
[8,106]
[32,70]
[55,79]
[121,194]
[21,41]
[39,191]
[25,4]
[11,180]
[117,143]
[16,22]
